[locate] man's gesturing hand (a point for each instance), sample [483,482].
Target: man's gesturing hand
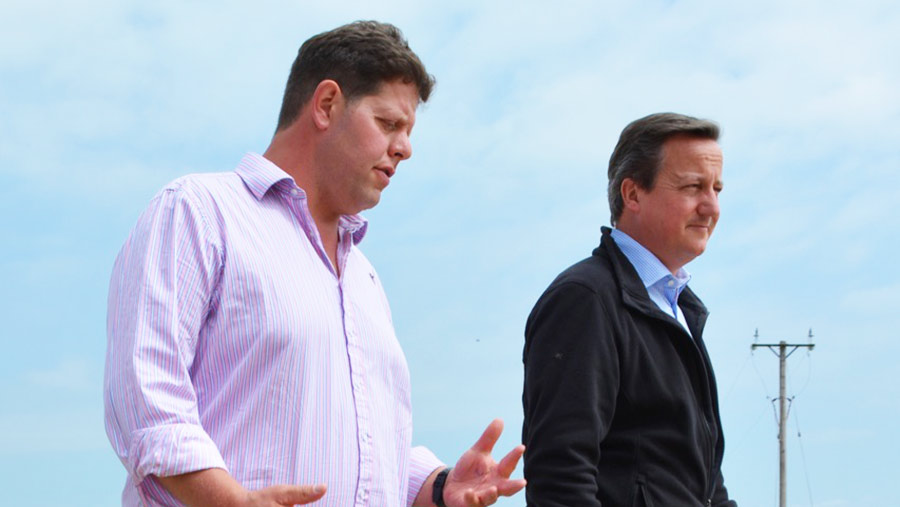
[285,495]
[215,487]
[477,480]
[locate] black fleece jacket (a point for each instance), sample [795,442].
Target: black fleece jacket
[620,401]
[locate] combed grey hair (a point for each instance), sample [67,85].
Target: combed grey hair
[639,151]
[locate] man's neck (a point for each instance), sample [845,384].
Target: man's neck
[328,231]
[636,233]
[295,161]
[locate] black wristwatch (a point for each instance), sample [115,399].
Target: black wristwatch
[437,489]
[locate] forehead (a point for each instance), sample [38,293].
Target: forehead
[686,154]
[392,94]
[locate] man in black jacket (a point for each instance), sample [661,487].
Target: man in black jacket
[620,399]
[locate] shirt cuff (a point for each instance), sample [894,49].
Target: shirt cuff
[171,449]
[421,463]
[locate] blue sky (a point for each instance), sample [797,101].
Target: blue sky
[102,102]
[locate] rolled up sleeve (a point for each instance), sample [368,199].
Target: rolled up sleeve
[161,290]
[421,463]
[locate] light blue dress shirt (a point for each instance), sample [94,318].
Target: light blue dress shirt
[662,287]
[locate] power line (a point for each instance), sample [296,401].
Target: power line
[803,456]
[804,361]
[758,374]
[738,376]
[744,437]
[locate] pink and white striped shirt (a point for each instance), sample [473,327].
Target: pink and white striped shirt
[233,344]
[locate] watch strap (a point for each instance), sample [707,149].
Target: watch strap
[437,489]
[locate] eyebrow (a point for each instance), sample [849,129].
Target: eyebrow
[695,177]
[392,114]
[691,176]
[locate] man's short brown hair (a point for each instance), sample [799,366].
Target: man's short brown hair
[360,57]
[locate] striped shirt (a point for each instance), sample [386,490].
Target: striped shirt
[233,344]
[662,287]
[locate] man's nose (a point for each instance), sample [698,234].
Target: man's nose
[401,147]
[709,206]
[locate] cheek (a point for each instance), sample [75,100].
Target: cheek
[372,141]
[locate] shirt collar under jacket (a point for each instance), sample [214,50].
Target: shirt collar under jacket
[655,276]
[261,175]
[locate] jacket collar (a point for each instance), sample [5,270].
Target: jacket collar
[634,294]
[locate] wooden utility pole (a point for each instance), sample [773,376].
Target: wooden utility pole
[782,354]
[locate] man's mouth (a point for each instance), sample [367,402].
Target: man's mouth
[387,170]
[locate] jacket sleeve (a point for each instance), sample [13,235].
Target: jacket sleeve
[569,398]
[720,494]
[160,292]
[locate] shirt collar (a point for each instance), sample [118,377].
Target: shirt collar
[356,225]
[649,268]
[261,175]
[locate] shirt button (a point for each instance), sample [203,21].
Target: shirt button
[294,191]
[671,283]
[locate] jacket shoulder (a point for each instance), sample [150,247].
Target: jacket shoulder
[593,273]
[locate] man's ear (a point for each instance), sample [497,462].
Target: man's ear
[630,195]
[325,103]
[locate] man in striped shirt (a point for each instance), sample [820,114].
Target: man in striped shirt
[251,355]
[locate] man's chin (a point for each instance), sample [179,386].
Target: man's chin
[366,200]
[699,249]
[374,200]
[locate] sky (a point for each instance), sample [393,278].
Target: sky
[103,102]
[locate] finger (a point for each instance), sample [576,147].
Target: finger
[511,487]
[487,440]
[299,494]
[508,463]
[489,497]
[472,499]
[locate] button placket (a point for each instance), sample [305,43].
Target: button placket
[360,396]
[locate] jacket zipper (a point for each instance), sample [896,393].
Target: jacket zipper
[710,481]
[711,445]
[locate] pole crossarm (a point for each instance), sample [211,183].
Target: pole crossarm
[795,345]
[792,346]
